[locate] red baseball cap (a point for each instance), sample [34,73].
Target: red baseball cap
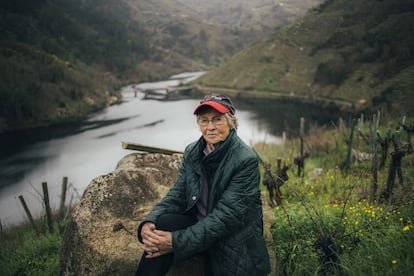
[220,103]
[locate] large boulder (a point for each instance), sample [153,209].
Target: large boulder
[100,238]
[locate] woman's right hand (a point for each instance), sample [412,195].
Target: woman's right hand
[149,238]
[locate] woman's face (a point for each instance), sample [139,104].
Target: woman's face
[214,126]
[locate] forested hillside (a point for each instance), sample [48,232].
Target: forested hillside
[62,59]
[353,51]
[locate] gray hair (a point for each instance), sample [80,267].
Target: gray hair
[232,120]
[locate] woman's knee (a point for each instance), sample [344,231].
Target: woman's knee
[173,222]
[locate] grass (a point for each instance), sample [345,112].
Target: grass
[329,224]
[315,230]
[23,252]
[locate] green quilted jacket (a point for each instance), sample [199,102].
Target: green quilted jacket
[230,237]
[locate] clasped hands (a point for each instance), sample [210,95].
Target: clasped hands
[156,242]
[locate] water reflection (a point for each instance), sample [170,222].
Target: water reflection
[126,130]
[284,116]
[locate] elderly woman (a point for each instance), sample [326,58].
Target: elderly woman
[214,209]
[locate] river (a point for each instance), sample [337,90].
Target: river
[86,150]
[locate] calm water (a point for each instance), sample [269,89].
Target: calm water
[84,151]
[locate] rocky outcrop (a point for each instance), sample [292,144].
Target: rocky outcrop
[100,238]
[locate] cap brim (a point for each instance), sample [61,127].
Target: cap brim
[217,106]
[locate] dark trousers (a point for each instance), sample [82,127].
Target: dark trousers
[159,266]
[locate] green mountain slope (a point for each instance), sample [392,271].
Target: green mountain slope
[61,60]
[345,50]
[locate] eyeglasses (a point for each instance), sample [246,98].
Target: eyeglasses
[217,121]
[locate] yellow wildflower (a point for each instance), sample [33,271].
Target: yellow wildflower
[394,262]
[406,228]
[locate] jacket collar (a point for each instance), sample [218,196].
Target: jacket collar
[196,155]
